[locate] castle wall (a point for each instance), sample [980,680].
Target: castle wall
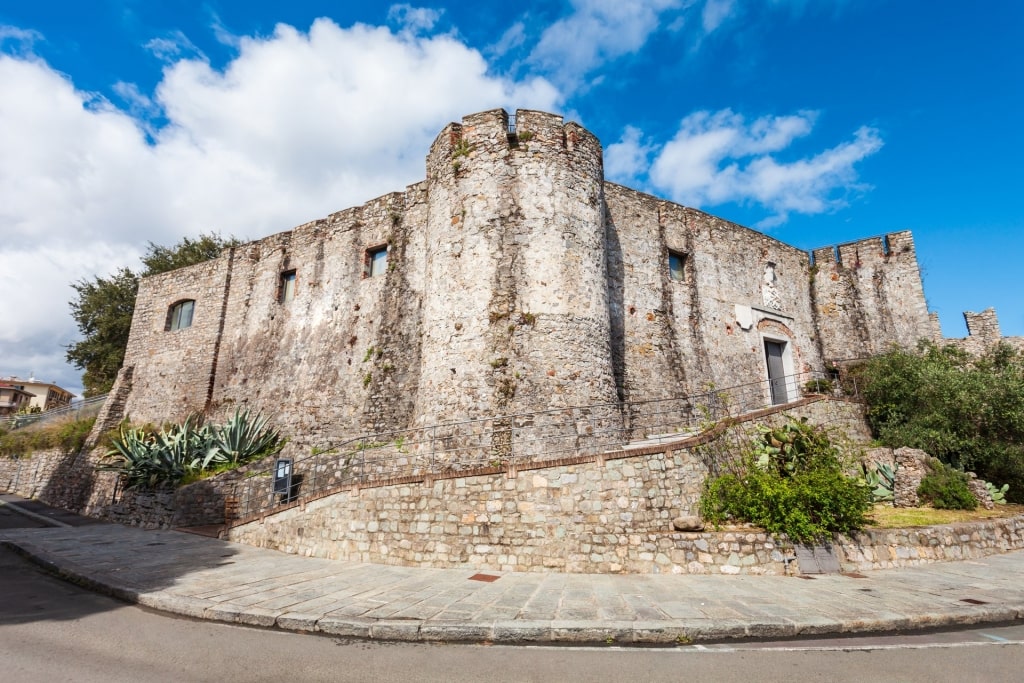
[983,333]
[517,281]
[173,370]
[516,294]
[868,296]
[676,336]
[342,356]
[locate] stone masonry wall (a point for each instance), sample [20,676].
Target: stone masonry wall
[867,296]
[596,514]
[517,281]
[983,333]
[173,371]
[676,337]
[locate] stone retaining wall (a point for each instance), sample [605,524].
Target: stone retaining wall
[70,481]
[891,548]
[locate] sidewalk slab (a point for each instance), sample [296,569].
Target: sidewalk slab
[206,578]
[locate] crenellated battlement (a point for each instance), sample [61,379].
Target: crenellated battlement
[868,295]
[495,135]
[877,249]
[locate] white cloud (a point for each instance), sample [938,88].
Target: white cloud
[597,32]
[175,45]
[628,159]
[715,13]
[719,157]
[413,19]
[18,40]
[298,125]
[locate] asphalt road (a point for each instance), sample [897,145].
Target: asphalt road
[54,631]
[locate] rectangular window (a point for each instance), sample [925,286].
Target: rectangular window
[286,288]
[180,315]
[376,262]
[676,266]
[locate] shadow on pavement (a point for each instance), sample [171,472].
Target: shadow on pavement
[40,564]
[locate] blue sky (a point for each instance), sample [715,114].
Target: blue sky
[128,121]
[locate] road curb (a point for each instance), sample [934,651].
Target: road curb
[511,632]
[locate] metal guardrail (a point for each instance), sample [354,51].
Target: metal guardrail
[508,440]
[79,410]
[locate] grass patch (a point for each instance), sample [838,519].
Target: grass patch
[67,434]
[887,517]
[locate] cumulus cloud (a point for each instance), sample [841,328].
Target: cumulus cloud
[628,159]
[298,125]
[719,157]
[598,31]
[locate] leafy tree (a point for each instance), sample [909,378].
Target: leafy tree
[965,410]
[104,306]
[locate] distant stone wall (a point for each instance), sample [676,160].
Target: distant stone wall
[983,333]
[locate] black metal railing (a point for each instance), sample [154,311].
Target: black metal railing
[510,440]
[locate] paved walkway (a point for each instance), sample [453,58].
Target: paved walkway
[206,578]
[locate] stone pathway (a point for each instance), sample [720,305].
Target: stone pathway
[211,579]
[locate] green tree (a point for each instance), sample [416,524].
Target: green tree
[104,306]
[965,410]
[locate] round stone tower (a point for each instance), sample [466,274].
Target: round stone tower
[515,316]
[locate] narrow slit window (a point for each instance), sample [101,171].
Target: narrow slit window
[376,262]
[180,315]
[676,266]
[286,289]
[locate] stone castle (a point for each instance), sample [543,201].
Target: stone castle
[512,279]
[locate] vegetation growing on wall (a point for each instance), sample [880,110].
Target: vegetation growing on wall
[965,410]
[791,481]
[146,458]
[67,435]
[103,307]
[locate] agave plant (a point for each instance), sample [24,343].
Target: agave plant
[245,436]
[881,479]
[187,450]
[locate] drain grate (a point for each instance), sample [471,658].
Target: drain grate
[488,578]
[973,601]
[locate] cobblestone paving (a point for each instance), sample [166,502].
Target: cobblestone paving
[207,578]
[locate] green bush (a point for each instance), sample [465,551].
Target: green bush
[791,483]
[967,411]
[946,489]
[67,435]
[148,459]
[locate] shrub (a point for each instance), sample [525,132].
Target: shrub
[791,483]
[819,386]
[946,489]
[968,411]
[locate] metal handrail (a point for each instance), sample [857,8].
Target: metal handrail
[89,406]
[509,440]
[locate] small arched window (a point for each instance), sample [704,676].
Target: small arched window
[179,316]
